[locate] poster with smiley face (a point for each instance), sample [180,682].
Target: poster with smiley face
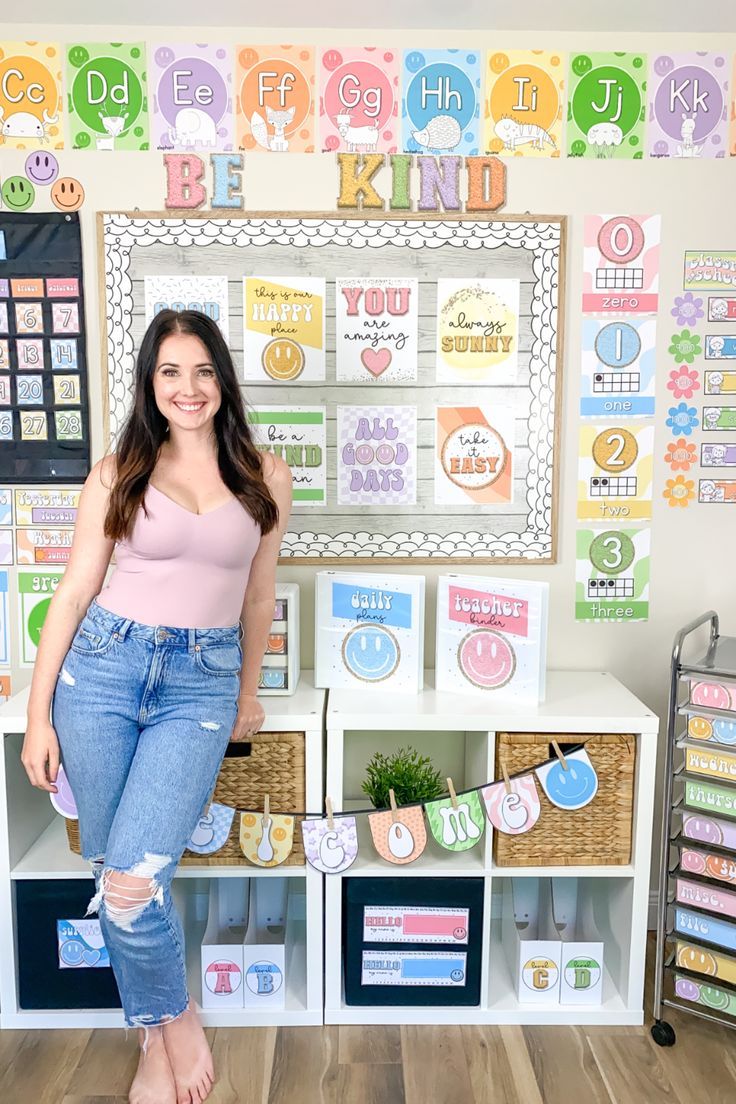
[491,637]
[108,97]
[369,631]
[571,785]
[612,574]
[284,329]
[31,101]
[477,331]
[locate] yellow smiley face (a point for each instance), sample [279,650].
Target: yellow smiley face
[697,959]
[67,193]
[283,359]
[699,728]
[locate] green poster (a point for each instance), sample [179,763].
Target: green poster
[606,105]
[457,827]
[106,86]
[35,590]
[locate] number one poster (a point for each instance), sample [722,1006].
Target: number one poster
[359,101]
[377,326]
[612,575]
[688,105]
[191,90]
[108,105]
[606,105]
[31,101]
[474,455]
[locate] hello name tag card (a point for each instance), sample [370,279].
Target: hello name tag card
[412,924]
[445,968]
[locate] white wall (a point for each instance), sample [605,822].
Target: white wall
[693,549]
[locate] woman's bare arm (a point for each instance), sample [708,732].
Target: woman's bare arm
[90,556]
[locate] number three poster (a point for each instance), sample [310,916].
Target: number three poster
[612,576]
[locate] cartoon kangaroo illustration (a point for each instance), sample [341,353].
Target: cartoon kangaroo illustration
[361,139]
[279,120]
[23,124]
[687,148]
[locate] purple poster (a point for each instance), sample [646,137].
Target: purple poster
[688,105]
[192,97]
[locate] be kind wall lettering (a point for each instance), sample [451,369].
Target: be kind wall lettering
[359,101]
[376,330]
[108,106]
[376,462]
[688,105]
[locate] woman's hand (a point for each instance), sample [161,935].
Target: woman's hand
[40,755]
[249,719]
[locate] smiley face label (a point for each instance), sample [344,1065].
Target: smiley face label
[18,193]
[371,652]
[571,788]
[266,841]
[711,695]
[67,193]
[486,659]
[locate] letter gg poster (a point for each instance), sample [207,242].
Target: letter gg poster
[477,331]
[376,455]
[359,101]
[376,330]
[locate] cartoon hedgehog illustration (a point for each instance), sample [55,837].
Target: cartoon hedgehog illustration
[442,132]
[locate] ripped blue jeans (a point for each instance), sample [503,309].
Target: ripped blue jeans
[143,714]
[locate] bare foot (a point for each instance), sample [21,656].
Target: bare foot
[190,1057]
[154,1081]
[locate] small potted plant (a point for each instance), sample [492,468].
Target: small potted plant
[410,775]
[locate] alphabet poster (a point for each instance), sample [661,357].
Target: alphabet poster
[284,328]
[31,102]
[615,472]
[376,455]
[376,330]
[441,104]
[359,100]
[108,101]
[274,99]
[192,96]
[474,455]
[207,294]
[618,367]
[524,103]
[297,435]
[621,264]
[606,105]
[477,331]
[612,574]
[688,105]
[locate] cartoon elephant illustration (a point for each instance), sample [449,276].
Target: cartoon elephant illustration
[193,128]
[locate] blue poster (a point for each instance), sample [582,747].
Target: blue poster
[441,101]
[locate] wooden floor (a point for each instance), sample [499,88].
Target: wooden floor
[395,1065]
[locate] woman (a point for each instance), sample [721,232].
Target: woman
[147,690]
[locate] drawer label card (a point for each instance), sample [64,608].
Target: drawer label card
[412,924]
[447,968]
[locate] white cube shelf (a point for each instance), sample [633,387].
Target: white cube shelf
[33,845]
[459,733]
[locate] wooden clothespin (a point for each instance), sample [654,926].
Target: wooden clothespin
[330,817]
[506,779]
[392,801]
[266,810]
[451,791]
[560,756]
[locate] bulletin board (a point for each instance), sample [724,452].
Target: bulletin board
[459,464]
[44,423]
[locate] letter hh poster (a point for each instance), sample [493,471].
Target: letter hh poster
[441,107]
[192,93]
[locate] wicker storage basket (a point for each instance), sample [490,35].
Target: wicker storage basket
[269,763]
[599,834]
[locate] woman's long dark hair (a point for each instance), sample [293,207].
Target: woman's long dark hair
[145,429]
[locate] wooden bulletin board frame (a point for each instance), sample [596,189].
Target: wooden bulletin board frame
[531,248]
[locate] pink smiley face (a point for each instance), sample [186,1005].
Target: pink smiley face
[711,695]
[486,659]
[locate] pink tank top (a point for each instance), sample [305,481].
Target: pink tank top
[183,569]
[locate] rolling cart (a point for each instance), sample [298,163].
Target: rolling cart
[696,915]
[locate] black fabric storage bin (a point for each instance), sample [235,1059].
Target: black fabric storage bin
[432,893]
[41,981]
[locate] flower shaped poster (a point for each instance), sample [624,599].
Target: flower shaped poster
[682,419]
